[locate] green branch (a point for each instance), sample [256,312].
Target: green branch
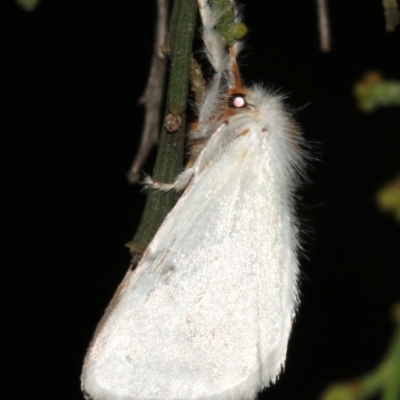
[171,148]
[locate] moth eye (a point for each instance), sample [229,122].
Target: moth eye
[237,100]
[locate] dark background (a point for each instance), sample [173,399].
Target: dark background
[74,71]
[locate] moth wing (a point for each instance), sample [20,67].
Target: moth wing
[207,314]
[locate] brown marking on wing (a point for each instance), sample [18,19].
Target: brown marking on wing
[115,300]
[244,133]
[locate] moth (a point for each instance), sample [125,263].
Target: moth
[208,311]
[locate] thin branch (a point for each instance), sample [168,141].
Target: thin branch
[181,60]
[392,14]
[153,94]
[323,25]
[170,152]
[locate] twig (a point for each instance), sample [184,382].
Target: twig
[182,48]
[392,14]
[153,94]
[170,152]
[323,25]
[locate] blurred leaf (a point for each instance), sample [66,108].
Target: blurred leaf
[388,197]
[392,14]
[373,91]
[339,391]
[28,5]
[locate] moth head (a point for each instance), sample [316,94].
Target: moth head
[263,110]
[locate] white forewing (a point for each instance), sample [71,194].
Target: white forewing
[208,311]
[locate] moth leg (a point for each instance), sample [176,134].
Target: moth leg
[180,183]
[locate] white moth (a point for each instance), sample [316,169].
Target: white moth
[208,311]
